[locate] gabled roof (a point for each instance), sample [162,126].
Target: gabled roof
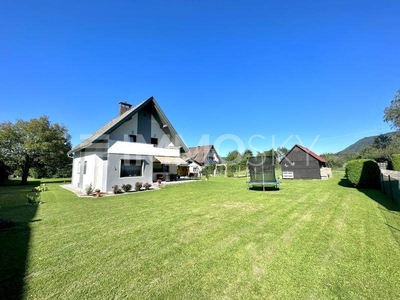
[305,149]
[118,121]
[200,153]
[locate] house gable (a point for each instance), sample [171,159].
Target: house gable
[126,148]
[141,121]
[300,153]
[203,155]
[302,163]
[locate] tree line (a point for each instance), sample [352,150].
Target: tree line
[236,161]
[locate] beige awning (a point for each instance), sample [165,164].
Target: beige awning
[169,160]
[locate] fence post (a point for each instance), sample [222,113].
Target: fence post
[391,190]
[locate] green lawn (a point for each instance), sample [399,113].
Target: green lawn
[312,239]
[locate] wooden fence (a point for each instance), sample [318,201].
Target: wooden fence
[390,184]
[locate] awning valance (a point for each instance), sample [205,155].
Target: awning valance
[169,160]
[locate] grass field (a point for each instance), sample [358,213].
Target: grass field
[312,239]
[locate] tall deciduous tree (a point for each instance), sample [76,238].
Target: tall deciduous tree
[246,154]
[33,144]
[282,151]
[382,141]
[233,157]
[392,113]
[333,161]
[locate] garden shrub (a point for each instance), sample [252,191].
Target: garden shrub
[33,198]
[396,162]
[89,189]
[363,173]
[127,187]
[147,186]
[138,186]
[40,188]
[116,189]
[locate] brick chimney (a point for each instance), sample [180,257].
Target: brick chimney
[123,107]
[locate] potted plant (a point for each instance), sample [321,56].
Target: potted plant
[138,186]
[127,187]
[116,189]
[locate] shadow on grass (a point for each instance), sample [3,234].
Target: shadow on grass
[16,183]
[267,189]
[344,182]
[14,241]
[35,182]
[389,209]
[375,194]
[382,199]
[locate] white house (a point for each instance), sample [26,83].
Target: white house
[138,145]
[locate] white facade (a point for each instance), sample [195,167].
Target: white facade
[212,157]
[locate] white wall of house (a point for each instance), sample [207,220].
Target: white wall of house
[93,174]
[214,156]
[156,132]
[98,173]
[122,132]
[195,167]
[114,170]
[88,176]
[75,171]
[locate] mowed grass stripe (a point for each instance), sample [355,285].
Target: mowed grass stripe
[216,239]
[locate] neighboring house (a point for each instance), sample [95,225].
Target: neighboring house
[202,155]
[138,145]
[301,163]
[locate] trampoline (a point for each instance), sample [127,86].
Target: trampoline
[262,172]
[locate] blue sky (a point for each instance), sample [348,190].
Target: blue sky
[239,74]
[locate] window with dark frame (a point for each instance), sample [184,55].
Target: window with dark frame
[132,138]
[154,141]
[84,167]
[158,167]
[131,168]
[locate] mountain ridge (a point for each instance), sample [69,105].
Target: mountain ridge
[364,142]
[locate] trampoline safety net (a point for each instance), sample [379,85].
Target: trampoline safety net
[262,171]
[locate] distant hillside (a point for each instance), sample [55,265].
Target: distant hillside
[367,141]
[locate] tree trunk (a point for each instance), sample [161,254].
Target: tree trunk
[25,171]
[25,175]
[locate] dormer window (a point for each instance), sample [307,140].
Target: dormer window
[132,138]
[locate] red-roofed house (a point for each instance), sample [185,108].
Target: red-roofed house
[203,155]
[302,163]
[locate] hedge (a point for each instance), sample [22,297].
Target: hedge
[396,162]
[363,173]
